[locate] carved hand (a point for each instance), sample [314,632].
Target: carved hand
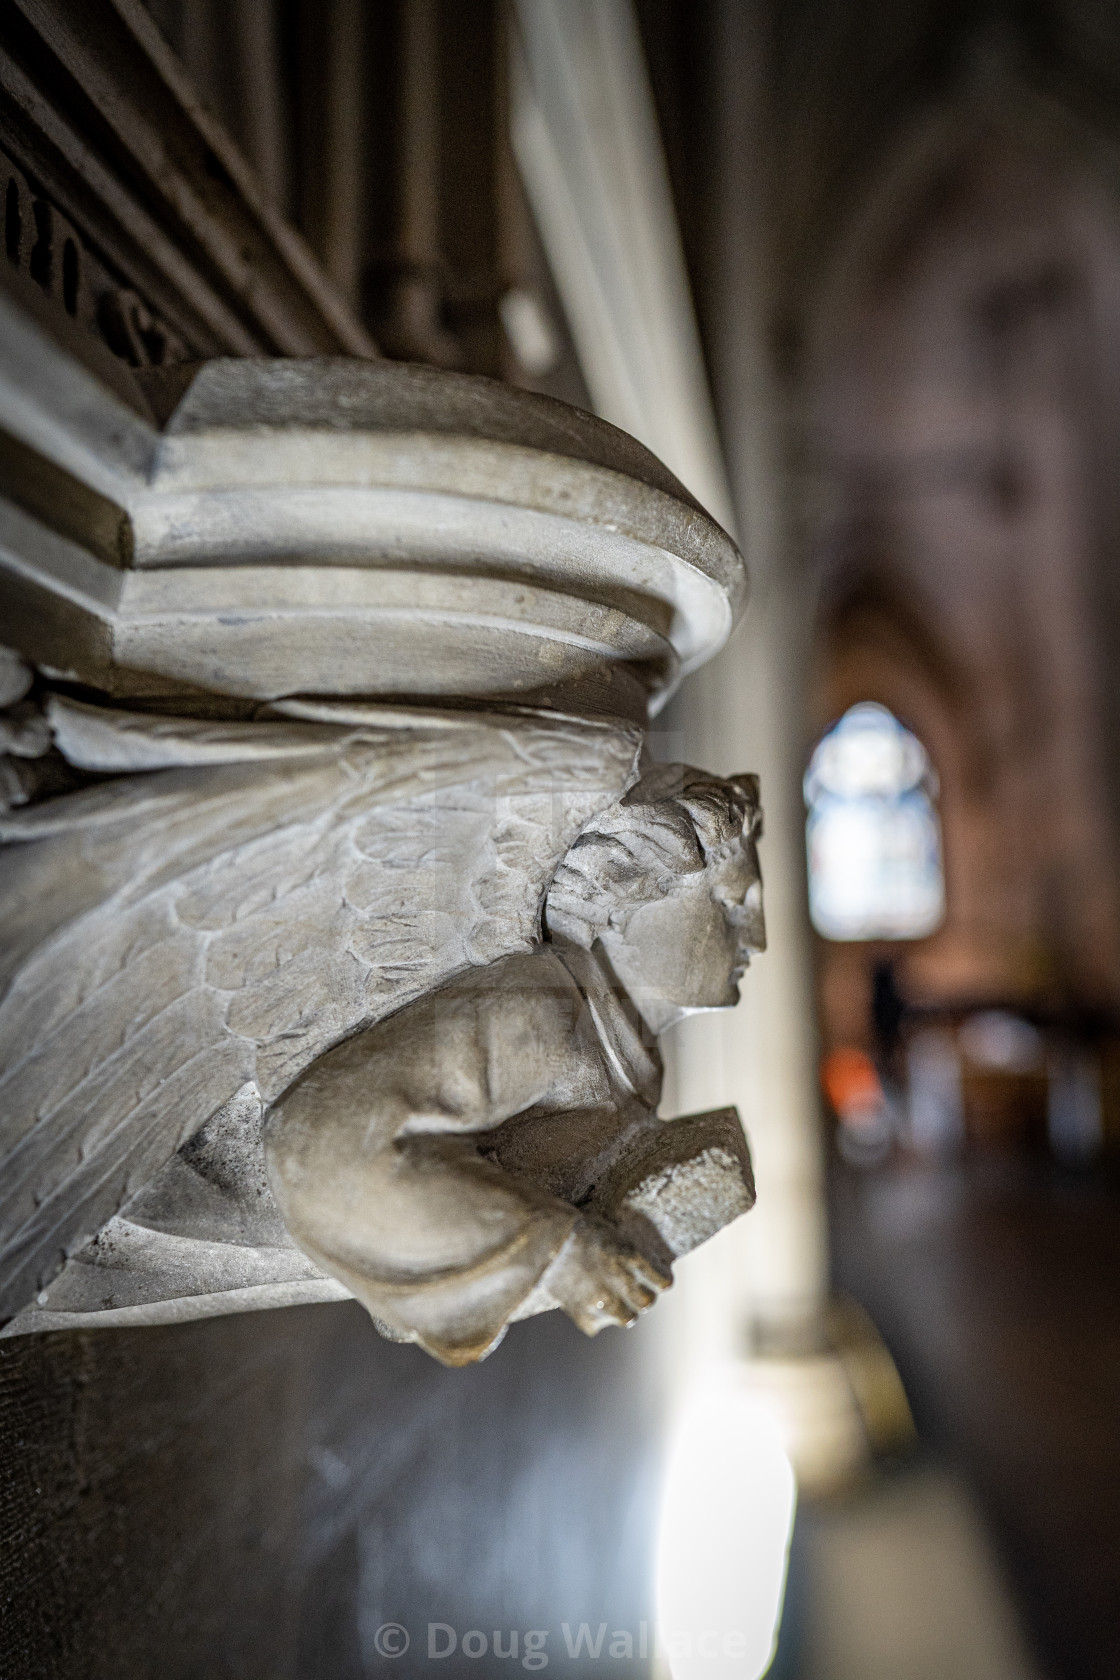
[598,1279]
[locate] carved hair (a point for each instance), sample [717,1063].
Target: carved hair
[674,822]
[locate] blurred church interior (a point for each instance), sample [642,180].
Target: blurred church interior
[852,270]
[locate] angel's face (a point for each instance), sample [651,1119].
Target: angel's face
[687,950]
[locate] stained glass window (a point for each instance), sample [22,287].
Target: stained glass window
[873,837]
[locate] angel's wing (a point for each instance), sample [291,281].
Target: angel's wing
[173,934]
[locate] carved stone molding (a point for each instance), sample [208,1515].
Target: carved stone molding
[344,528]
[341,909]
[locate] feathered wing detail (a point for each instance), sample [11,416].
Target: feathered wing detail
[223,920]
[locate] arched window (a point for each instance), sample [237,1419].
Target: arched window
[874,841]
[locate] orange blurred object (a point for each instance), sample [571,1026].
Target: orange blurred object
[850,1081]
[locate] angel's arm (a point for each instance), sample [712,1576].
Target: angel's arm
[373,1165]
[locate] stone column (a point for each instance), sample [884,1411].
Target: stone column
[762,1287]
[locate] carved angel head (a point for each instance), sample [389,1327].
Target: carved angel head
[667,882]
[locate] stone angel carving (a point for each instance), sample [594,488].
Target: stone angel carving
[494,1150]
[346,999]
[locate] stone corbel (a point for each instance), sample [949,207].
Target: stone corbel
[341,907]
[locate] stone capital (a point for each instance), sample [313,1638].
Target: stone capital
[317,673]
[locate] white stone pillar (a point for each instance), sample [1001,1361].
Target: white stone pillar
[744,711]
